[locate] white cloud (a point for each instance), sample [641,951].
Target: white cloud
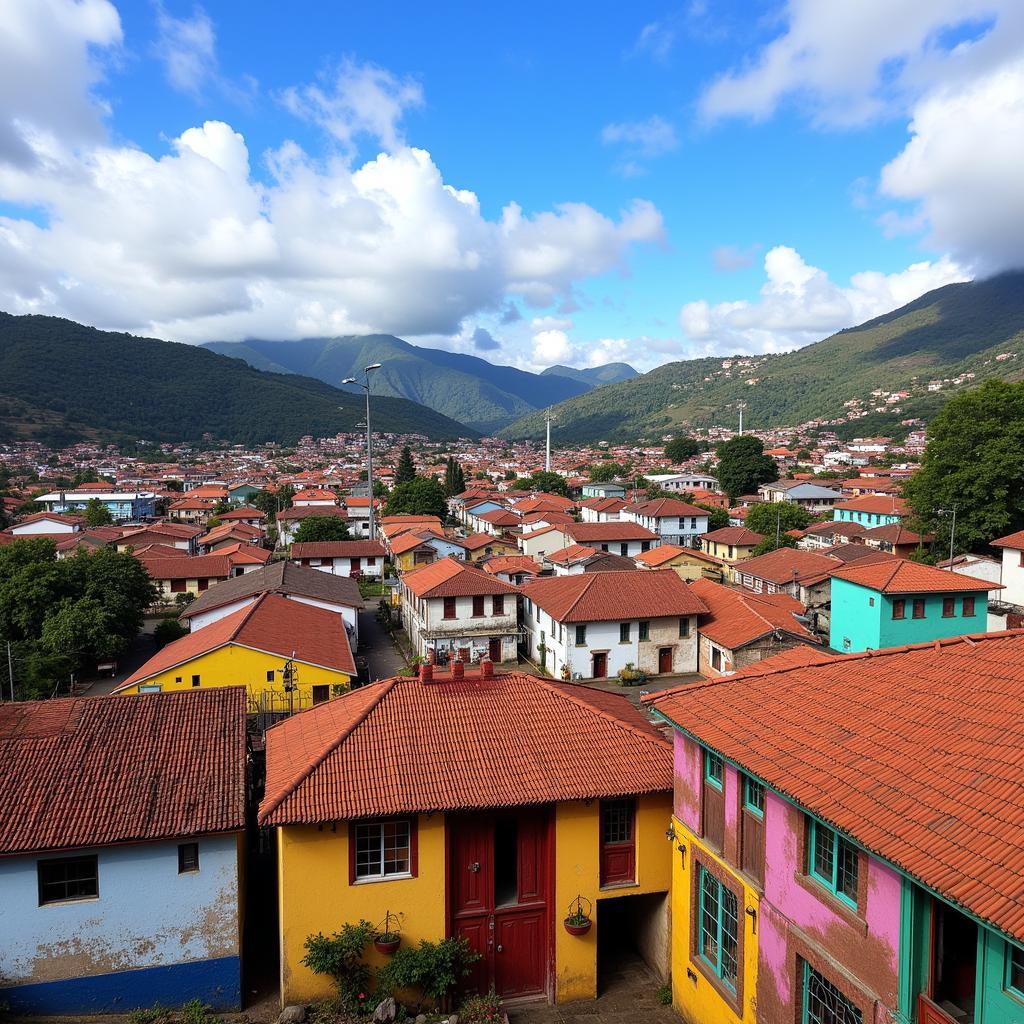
[192,245]
[847,63]
[551,323]
[729,258]
[357,100]
[187,47]
[963,165]
[799,304]
[551,347]
[648,138]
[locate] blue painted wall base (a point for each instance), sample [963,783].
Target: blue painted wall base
[218,983]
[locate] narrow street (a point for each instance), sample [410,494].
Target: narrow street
[376,647]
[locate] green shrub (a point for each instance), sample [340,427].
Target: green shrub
[341,958]
[167,631]
[149,1016]
[664,994]
[433,967]
[481,1009]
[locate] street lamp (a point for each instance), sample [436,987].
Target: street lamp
[952,530]
[365,385]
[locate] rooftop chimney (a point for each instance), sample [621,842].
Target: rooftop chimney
[458,671]
[426,673]
[486,668]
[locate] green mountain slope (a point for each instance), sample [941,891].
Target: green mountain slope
[61,381]
[465,387]
[594,376]
[952,335]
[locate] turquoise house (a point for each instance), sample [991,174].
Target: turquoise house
[871,510]
[898,602]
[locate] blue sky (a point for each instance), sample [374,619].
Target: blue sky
[690,178]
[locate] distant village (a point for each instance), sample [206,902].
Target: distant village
[589,710]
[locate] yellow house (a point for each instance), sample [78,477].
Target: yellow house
[445,802]
[287,655]
[731,543]
[689,563]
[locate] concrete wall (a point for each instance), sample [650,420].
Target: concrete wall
[117,951]
[1012,578]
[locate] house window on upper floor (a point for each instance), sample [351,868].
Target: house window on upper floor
[823,1003]
[644,631]
[899,608]
[918,612]
[645,545]
[478,606]
[498,604]
[833,862]
[719,927]
[948,607]
[195,680]
[624,631]
[188,858]
[382,849]
[1015,969]
[753,796]
[581,636]
[449,608]
[693,522]
[714,769]
[968,608]
[68,878]
[684,628]
[270,675]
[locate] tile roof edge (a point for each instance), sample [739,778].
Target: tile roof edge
[275,804]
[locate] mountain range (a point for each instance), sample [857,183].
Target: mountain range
[467,388]
[62,382]
[946,340]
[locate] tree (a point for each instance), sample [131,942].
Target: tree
[97,514]
[768,544]
[542,480]
[321,528]
[406,469]
[454,477]
[973,462]
[743,465]
[681,449]
[767,516]
[270,502]
[604,472]
[419,497]
[718,518]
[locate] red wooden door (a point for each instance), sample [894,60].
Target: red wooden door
[664,659]
[354,565]
[600,666]
[472,895]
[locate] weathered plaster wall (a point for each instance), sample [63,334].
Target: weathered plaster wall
[687,777]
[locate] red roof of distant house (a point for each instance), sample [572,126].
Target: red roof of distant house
[738,536]
[901,576]
[881,504]
[544,503]
[245,512]
[186,567]
[667,552]
[314,494]
[572,553]
[897,533]
[272,623]
[602,533]
[476,541]
[1014,541]
[312,512]
[387,522]
[511,564]
[551,518]
[739,617]
[338,549]
[604,504]
[922,773]
[448,577]
[511,741]
[609,596]
[500,517]
[787,565]
[93,772]
[50,517]
[193,505]
[658,507]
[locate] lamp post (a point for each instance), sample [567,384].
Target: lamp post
[952,530]
[365,385]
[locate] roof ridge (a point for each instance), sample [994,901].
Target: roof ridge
[272,805]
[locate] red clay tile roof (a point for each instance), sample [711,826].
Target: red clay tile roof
[603,533]
[409,540]
[51,517]
[244,512]
[338,549]
[408,520]
[785,565]
[512,564]
[187,567]
[499,517]
[735,535]
[572,553]
[448,577]
[665,507]
[835,528]
[613,596]
[896,533]
[666,552]
[901,576]
[1015,541]
[402,746]
[544,503]
[314,494]
[475,541]
[604,504]
[93,771]
[882,504]
[272,623]
[551,518]
[926,774]
[739,617]
[312,511]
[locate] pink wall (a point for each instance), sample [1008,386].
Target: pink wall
[687,781]
[732,797]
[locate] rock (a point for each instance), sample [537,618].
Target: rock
[453,1019]
[385,1011]
[421,1018]
[292,1015]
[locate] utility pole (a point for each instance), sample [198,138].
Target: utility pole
[952,530]
[778,521]
[367,370]
[10,668]
[741,406]
[547,457]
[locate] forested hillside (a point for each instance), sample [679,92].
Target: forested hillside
[941,343]
[61,381]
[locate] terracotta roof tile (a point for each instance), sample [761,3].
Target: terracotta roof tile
[93,771]
[338,549]
[658,507]
[448,577]
[901,576]
[735,535]
[925,773]
[739,617]
[506,742]
[1015,541]
[603,533]
[880,504]
[785,565]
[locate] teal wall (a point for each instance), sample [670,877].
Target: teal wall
[866,519]
[997,1004]
[871,626]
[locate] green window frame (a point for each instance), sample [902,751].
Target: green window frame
[684,628]
[581,636]
[1014,979]
[823,1003]
[718,938]
[753,796]
[714,769]
[833,862]
[644,630]
[624,632]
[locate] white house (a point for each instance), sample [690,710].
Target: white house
[538,543]
[359,514]
[601,510]
[289,519]
[342,557]
[594,624]
[620,538]
[674,521]
[1007,612]
[684,481]
[47,524]
[314,498]
[454,609]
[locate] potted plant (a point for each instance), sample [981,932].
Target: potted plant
[631,675]
[387,939]
[578,922]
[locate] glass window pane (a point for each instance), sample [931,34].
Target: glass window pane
[824,1003]
[823,852]
[730,933]
[396,847]
[846,871]
[1016,970]
[617,821]
[709,918]
[368,850]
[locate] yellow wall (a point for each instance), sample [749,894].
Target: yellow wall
[698,1001]
[314,895]
[577,872]
[739,551]
[234,665]
[406,561]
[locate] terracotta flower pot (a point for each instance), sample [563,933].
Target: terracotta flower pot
[577,929]
[387,946]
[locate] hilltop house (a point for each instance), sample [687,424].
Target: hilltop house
[122,852]
[844,851]
[459,610]
[684,482]
[456,827]
[594,624]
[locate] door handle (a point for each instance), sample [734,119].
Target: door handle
[500,947]
[475,866]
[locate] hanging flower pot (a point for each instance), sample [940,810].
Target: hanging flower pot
[578,922]
[387,938]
